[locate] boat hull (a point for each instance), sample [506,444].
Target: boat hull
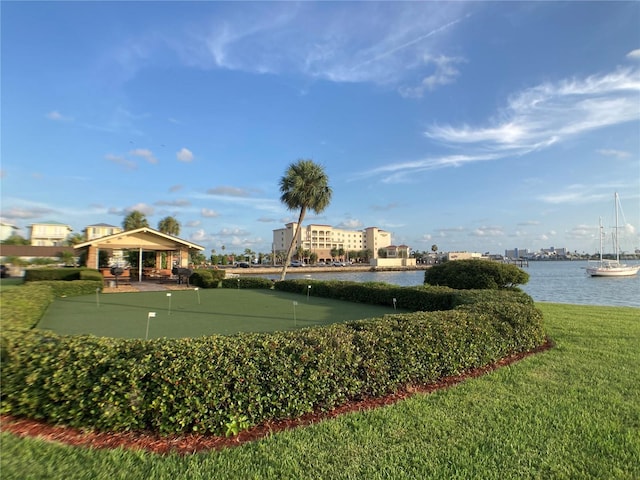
[613,271]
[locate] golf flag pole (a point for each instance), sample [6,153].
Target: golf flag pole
[295,322]
[198,293]
[169,295]
[394,303]
[98,297]
[149,315]
[308,291]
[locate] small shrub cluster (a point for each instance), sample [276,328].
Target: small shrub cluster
[201,384]
[475,274]
[205,278]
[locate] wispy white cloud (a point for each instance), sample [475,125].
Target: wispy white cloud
[208,213]
[634,54]
[58,117]
[144,153]
[399,45]
[184,155]
[121,160]
[228,191]
[533,119]
[173,203]
[614,153]
[140,207]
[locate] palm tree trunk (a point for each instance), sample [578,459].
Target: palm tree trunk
[287,259]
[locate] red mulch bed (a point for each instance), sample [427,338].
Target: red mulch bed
[193,443]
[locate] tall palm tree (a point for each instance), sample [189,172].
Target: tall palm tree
[135,219]
[305,186]
[169,225]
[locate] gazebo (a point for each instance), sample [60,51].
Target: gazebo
[142,239]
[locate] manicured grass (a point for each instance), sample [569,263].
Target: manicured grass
[570,412]
[191,313]
[8,283]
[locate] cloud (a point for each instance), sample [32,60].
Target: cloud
[20,213]
[206,212]
[122,161]
[193,223]
[173,203]
[184,155]
[144,153]
[140,207]
[634,54]
[614,153]
[351,224]
[175,188]
[232,232]
[444,74]
[227,191]
[487,232]
[549,113]
[533,119]
[58,117]
[383,208]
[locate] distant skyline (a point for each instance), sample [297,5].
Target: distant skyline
[479,126]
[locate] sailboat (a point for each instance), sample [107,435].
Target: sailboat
[612,268]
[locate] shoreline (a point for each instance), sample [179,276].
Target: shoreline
[310,269]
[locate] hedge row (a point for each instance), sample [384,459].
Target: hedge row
[67,274]
[202,384]
[23,307]
[422,298]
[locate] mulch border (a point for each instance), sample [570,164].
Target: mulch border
[193,443]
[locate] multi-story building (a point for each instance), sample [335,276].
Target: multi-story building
[322,239]
[517,253]
[7,230]
[48,234]
[100,230]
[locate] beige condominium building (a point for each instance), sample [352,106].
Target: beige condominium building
[322,239]
[48,234]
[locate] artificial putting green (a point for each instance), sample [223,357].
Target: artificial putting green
[194,313]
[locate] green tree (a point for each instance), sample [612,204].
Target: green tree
[66,257]
[169,225]
[305,186]
[134,220]
[434,248]
[15,239]
[74,239]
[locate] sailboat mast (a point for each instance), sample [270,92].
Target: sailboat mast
[616,231]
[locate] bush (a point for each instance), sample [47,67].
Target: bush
[247,282]
[72,288]
[475,274]
[188,385]
[42,274]
[205,278]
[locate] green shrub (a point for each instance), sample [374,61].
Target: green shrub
[91,274]
[72,288]
[203,384]
[41,274]
[247,282]
[23,307]
[187,385]
[475,274]
[206,278]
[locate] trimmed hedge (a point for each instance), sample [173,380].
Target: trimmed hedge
[72,288]
[43,274]
[202,384]
[475,274]
[247,282]
[422,298]
[23,307]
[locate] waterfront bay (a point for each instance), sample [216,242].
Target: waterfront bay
[550,281]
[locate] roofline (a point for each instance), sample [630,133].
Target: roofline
[139,230]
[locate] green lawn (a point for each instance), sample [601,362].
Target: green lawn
[191,313]
[572,412]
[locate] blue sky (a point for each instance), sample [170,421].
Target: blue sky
[472,126]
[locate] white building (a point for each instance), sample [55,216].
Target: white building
[48,234]
[322,239]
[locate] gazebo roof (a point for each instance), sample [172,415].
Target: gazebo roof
[144,237]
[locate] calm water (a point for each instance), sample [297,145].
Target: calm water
[558,282]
